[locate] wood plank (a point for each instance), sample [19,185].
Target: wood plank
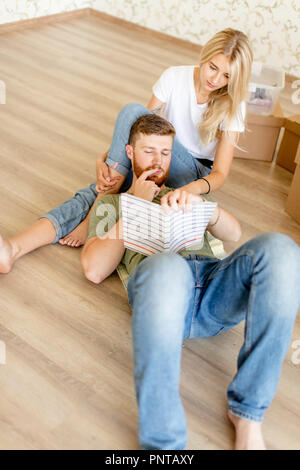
[68,380]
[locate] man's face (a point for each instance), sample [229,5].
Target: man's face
[150,152]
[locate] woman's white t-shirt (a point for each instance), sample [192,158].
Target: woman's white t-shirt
[176,89]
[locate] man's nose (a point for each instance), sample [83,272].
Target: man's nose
[156,158]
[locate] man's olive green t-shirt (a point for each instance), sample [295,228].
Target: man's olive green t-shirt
[106,214]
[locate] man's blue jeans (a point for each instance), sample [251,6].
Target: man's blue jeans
[184,169]
[175,298]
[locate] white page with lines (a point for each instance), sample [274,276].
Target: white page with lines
[147,230]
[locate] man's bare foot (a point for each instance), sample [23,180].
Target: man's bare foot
[78,236]
[248,434]
[6,255]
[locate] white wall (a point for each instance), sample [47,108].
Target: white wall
[273,26]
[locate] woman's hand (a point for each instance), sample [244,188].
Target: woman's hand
[179,199]
[103,174]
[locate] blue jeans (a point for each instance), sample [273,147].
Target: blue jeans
[175,298]
[184,169]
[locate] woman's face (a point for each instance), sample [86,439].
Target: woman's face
[214,74]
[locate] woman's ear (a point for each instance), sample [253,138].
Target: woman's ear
[129,151]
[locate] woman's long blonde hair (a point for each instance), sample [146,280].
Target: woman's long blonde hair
[235,45]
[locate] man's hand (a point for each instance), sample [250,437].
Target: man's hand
[146,189]
[104,178]
[179,199]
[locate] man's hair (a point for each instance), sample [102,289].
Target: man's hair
[150,124]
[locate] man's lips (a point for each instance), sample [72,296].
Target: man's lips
[157,172]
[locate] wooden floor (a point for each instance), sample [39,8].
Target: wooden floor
[68,378]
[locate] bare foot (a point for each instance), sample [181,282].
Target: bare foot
[6,255]
[78,236]
[248,434]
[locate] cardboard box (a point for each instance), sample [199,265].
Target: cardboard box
[293,201]
[290,143]
[261,135]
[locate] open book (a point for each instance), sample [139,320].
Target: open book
[148,230]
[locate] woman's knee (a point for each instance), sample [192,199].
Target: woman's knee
[133,111]
[85,197]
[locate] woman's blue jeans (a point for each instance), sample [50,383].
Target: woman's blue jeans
[184,169]
[175,298]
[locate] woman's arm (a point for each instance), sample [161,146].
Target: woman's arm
[222,224]
[220,169]
[156,105]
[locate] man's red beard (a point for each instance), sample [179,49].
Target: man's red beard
[159,180]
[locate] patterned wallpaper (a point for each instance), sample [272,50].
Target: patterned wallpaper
[273,26]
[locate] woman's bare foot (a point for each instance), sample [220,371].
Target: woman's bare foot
[248,434]
[7,252]
[78,236]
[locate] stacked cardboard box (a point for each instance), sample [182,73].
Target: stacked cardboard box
[261,136]
[290,153]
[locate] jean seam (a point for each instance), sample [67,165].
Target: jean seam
[110,162]
[248,318]
[227,264]
[240,413]
[196,299]
[58,225]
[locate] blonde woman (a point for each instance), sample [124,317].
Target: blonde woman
[206,106]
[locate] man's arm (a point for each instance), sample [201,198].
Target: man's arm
[224,226]
[101,256]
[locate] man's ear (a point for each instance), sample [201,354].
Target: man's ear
[129,151]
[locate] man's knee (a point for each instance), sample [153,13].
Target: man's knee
[279,250]
[166,269]
[163,283]
[279,256]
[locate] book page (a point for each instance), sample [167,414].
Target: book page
[147,230]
